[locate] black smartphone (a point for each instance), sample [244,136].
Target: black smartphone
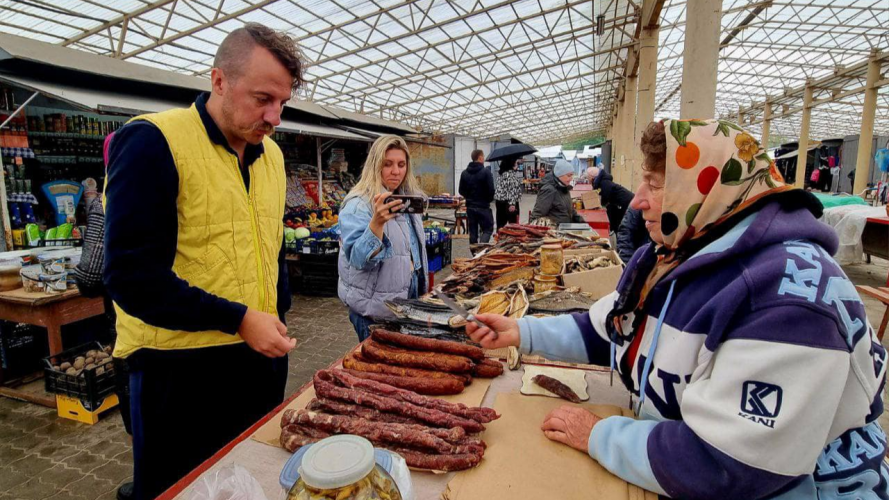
[410,204]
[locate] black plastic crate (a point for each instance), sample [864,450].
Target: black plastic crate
[313,247]
[22,346]
[88,386]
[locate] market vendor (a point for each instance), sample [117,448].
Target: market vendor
[554,199]
[194,259]
[383,250]
[615,198]
[755,371]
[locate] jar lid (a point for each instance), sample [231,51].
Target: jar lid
[337,461]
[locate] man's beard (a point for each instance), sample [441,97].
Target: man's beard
[245,133]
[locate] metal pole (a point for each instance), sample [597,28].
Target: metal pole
[866,138]
[320,174]
[20,108]
[803,150]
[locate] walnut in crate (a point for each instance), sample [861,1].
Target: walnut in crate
[80,362]
[89,361]
[91,353]
[71,371]
[65,366]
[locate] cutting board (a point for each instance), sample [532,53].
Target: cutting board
[574,379]
[522,464]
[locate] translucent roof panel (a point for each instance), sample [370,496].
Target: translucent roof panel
[534,69]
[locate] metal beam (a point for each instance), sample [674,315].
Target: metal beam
[115,21]
[483,60]
[200,27]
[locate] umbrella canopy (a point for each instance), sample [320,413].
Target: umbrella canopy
[511,150]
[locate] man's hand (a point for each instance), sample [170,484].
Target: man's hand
[507,330]
[570,425]
[265,334]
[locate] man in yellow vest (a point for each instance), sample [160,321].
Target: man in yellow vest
[194,259]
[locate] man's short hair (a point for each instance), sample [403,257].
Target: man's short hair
[478,153]
[236,48]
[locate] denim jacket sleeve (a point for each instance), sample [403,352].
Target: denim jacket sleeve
[358,241]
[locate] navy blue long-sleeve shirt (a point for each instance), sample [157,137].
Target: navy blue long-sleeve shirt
[141,231]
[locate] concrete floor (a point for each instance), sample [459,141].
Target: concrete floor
[43,456]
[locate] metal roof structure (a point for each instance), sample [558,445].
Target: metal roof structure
[535,69]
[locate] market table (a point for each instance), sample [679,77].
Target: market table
[597,218]
[265,462]
[51,311]
[875,238]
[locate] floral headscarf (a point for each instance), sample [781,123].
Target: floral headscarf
[715,170]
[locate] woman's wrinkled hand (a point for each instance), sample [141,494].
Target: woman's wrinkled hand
[570,425]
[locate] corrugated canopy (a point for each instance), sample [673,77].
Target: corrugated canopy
[530,68]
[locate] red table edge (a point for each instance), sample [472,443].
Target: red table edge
[879,220]
[189,478]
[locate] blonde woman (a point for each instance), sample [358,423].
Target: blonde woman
[382,251]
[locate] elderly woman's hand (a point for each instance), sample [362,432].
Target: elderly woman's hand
[570,425]
[506,329]
[382,213]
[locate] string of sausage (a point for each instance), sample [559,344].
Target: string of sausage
[437,361]
[419,385]
[480,415]
[355,361]
[396,434]
[455,435]
[424,344]
[324,387]
[293,437]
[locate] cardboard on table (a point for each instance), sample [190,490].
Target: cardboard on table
[522,464]
[574,379]
[597,282]
[270,433]
[591,200]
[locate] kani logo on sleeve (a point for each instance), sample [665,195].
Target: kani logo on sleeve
[761,402]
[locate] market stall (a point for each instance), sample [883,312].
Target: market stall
[519,462]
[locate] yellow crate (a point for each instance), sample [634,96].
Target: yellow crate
[73,409]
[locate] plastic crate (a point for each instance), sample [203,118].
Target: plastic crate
[313,247]
[435,264]
[22,346]
[88,387]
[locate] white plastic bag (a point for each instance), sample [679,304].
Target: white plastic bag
[231,482]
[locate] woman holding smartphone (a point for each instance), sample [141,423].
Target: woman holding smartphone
[382,248]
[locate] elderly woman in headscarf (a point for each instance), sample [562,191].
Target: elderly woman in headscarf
[754,370]
[554,199]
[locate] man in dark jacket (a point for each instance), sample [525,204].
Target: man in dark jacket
[554,199]
[477,186]
[631,234]
[615,198]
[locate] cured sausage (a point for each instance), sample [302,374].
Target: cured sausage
[294,437]
[437,361]
[488,368]
[426,344]
[325,388]
[396,434]
[420,460]
[480,415]
[556,387]
[354,361]
[419,385]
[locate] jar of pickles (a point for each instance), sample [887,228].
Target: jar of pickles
[342,467]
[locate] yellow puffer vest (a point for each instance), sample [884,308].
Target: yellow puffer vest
[228,239]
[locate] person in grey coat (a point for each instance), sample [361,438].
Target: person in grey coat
[554,198]
[631,234]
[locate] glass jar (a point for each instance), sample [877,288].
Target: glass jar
[343,467]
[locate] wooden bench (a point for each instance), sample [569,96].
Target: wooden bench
[881,294]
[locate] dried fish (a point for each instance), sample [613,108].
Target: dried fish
[418,310]
[560,302]
[518,305]
[496,302]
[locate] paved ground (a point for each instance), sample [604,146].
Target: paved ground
[42,456]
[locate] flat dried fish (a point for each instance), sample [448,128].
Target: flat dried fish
[518,305]
[496,302]
[420,311]
[560,302]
